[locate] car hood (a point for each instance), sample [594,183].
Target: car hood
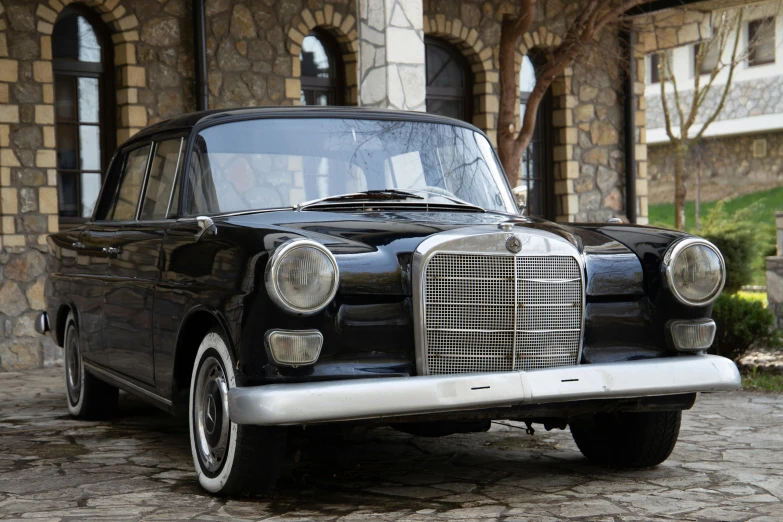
[374,249]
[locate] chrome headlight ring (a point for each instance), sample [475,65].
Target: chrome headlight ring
[272,272]
[670,258]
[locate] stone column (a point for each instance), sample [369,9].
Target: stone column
[391,54]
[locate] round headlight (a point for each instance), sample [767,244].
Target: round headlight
[302,277]
[695,271]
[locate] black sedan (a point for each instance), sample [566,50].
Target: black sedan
[260,269]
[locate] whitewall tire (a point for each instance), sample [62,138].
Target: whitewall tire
[229,459]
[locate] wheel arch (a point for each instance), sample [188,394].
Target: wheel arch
[196,324]
[60,321]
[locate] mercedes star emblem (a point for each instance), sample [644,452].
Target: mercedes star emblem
[513,244]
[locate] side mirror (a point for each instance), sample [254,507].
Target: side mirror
[520,194]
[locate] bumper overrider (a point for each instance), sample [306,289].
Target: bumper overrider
[374,398]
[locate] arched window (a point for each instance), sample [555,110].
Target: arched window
[322,70]
[536,174]
[449,81]
[84,110]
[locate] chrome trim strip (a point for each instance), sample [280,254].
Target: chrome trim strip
[485,240]
[331,401]
[133,387]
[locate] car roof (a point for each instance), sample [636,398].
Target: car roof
[189,121]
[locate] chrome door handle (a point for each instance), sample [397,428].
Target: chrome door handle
[112,251]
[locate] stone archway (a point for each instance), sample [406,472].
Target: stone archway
[481,60]
[342,27]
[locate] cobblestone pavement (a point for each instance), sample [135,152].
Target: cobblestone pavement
[728,466]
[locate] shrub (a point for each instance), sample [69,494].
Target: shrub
[742,323]
[738,240]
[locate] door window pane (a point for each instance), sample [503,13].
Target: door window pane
[65,98]
[91,187]
[90,147]
[88,100]
[67,143]
[130,185]
[67,196]
[163,174]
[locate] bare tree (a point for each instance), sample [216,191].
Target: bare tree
[584,28]
[723,52]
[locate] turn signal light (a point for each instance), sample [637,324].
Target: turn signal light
[692,335]
[294,347]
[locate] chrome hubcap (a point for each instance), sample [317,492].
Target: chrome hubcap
[73,366]
[210,411]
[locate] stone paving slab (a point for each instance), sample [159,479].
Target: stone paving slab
[727,466]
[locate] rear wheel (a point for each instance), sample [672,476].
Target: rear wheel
[627,440]
[229,458]
[88,397]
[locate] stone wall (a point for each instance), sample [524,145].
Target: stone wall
[745,99]
[728,167]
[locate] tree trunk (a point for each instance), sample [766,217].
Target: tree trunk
[679,187]
[697,217]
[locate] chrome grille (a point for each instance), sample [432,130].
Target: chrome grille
[494,313]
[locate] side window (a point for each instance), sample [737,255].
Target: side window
[163,176]
[130,184]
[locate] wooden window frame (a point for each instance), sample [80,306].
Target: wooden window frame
[754,26]
[462,94]
[333,86]
[104,72]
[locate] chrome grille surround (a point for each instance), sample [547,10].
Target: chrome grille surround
[480,308]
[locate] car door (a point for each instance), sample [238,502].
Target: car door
[140,222]
[89,245]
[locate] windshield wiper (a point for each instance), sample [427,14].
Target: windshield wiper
[453,199]
[371,195]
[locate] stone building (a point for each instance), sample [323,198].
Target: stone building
[77,78]
[743,149]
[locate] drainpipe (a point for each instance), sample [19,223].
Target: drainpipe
[629,39]
[200,54]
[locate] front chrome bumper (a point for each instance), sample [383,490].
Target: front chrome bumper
[285,404]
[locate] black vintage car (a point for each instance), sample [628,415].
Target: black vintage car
[260,269]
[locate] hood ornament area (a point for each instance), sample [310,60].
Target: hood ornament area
[513,244]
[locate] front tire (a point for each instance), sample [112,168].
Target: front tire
[229,459]
[88,397]
[627,440]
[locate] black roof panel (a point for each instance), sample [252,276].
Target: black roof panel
[214,116]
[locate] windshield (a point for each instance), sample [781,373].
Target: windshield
[278,163]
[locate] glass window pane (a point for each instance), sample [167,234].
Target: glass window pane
[89,48]
[91,187]
[527,75]
[161,180]
[315,59]
[65,39]
[130,185]
[90,147]
[66,146]
[65,98]
[67,194]
[88,100]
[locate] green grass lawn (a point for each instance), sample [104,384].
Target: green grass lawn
[759,381]
[767,202]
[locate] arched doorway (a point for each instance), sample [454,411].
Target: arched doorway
[82,60]
[536,175]
[322,70]
[449,81]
